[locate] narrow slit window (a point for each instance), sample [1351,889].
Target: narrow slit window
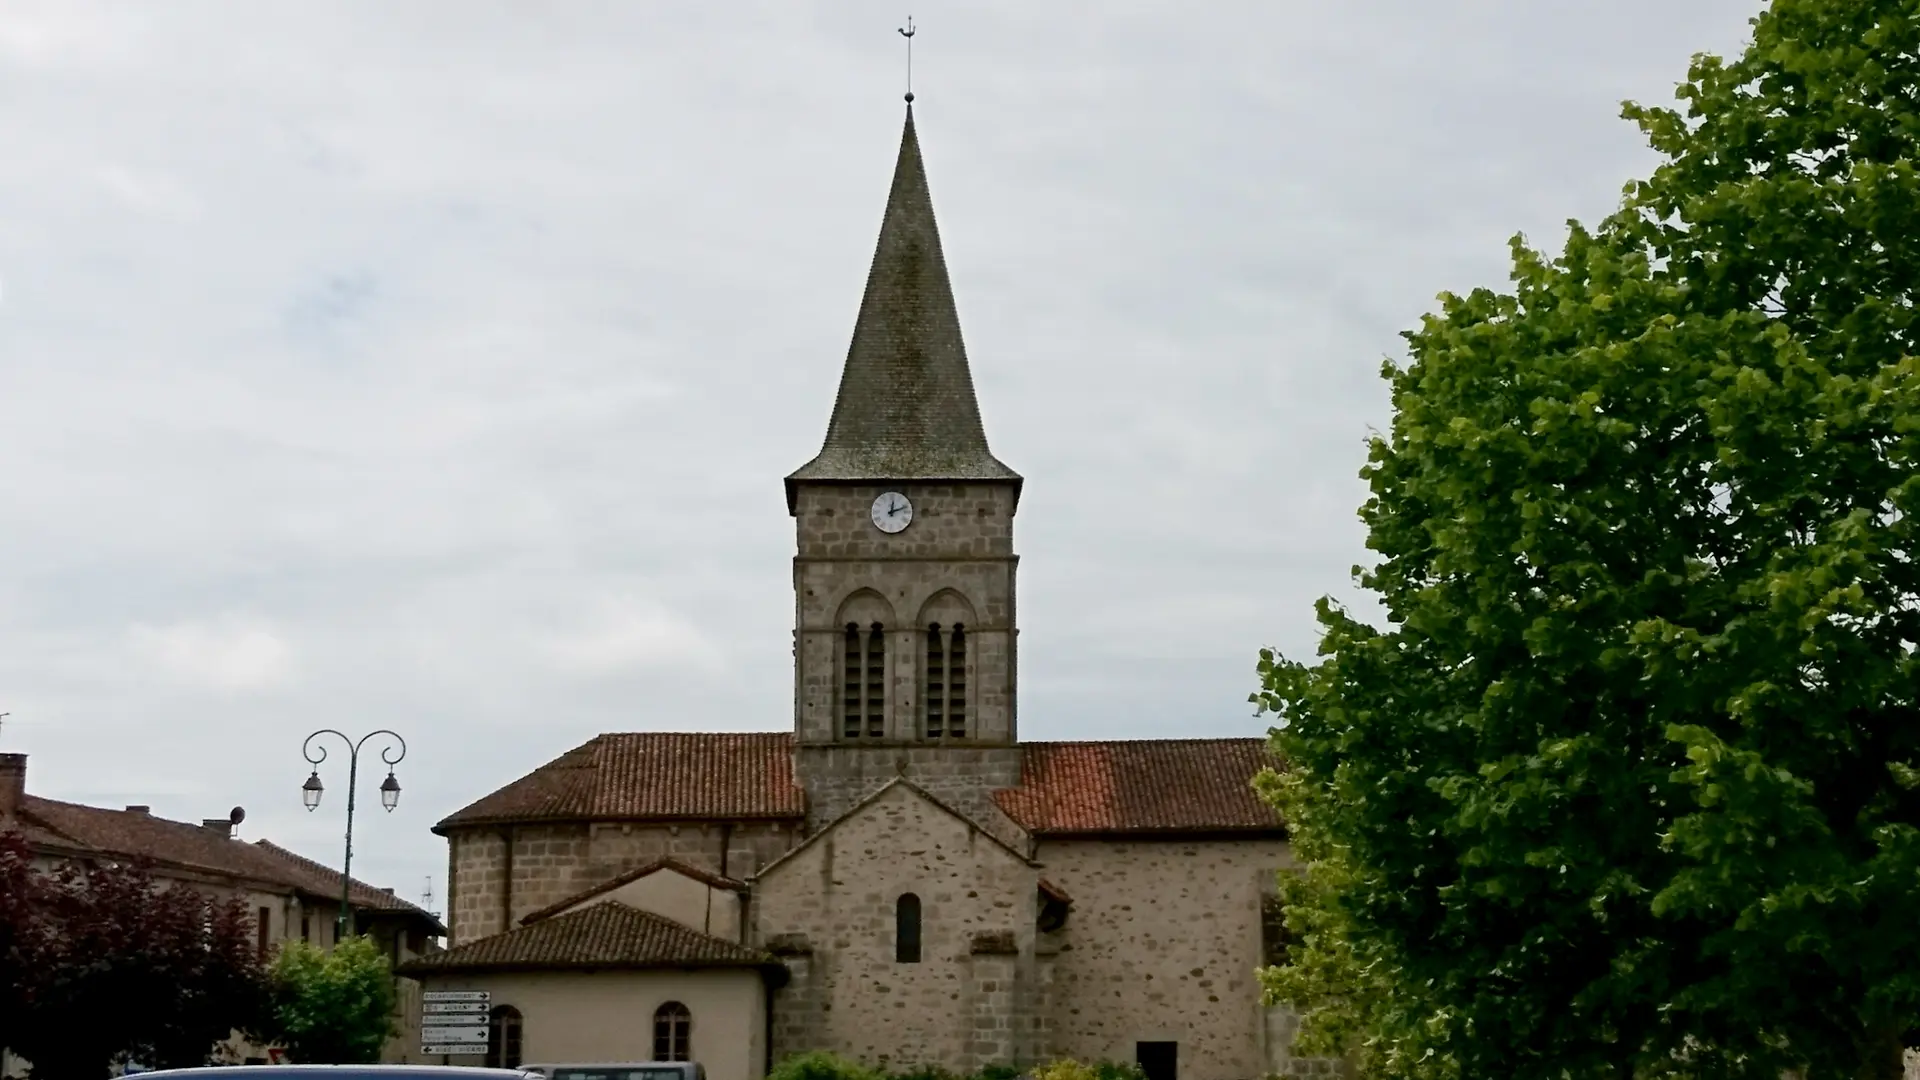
[957,683]
[853,685]
[936,692]
[876,681]
[906,929]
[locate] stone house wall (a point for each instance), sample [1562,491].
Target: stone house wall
[549,863]
[1162,944]
[830,910]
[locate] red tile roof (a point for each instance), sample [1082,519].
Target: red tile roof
[704,877]
[1141,787]
[79,830]
[137,834]
[1162,786]
[609,935]
[317,879]
[652,776]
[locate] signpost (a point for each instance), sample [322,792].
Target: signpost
[454,1022]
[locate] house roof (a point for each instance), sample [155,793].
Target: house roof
[716,881]
[906,409]
[609,935]
[652,776]
[320,880]
[137,834]
[1143,787]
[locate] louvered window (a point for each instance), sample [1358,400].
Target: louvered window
[863,686]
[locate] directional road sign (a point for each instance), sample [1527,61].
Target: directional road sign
[455,995]
[431,1050]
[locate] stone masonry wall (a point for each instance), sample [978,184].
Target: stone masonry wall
[837,777]
[834,901]
[1162,944]
[960,542]
[552,862]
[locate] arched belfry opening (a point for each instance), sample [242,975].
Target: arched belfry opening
[864,619]
[946,668]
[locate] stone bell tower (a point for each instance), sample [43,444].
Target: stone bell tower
[904,629]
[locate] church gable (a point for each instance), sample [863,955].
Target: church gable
[902,921]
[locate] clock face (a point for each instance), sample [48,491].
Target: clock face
[892,512]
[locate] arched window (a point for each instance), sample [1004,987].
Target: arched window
[906,929]
[946,685]
[863,692]
[672,1033]
[503,1038]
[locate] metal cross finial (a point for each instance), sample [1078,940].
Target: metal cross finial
[907,32]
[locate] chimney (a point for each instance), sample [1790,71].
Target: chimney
[13,784]
[139,808]
[219,826]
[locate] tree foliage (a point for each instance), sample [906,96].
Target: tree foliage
[333,1008]
[112,966]
[1629,783]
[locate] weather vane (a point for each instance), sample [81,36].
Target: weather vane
[907,32]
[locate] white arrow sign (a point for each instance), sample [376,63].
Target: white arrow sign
[474,1034]
[467,1008]
[454,995]
[431,1050]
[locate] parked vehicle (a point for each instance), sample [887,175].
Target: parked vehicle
[637,1070]
[340,1073]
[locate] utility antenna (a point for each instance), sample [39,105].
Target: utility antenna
[907,32]
[427,896]
[3,718]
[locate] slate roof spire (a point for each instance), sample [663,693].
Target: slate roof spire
[906,408]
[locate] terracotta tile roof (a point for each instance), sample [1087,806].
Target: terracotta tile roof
[609,935]
[652,776]
[704,877]
[1066,788]
[136,834]
[1140,787]
[318,879]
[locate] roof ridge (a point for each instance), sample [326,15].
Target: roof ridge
[612,934]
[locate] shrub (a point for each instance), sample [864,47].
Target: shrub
[821,1065]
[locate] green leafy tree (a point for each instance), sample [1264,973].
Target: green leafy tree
[332,1008]
[1628,784]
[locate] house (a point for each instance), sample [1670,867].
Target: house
[291,896]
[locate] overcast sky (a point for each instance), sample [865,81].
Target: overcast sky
[435,366]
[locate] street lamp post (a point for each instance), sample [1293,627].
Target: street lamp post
[389,797]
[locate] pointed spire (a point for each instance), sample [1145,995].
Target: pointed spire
[906,408]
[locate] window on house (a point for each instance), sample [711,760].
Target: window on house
[672,1033]
[863,690]
[261,930]
[906,929]
[946,682]
[503,1037]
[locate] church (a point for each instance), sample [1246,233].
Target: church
[898,879]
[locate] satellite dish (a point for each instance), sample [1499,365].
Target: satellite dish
[237,815]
